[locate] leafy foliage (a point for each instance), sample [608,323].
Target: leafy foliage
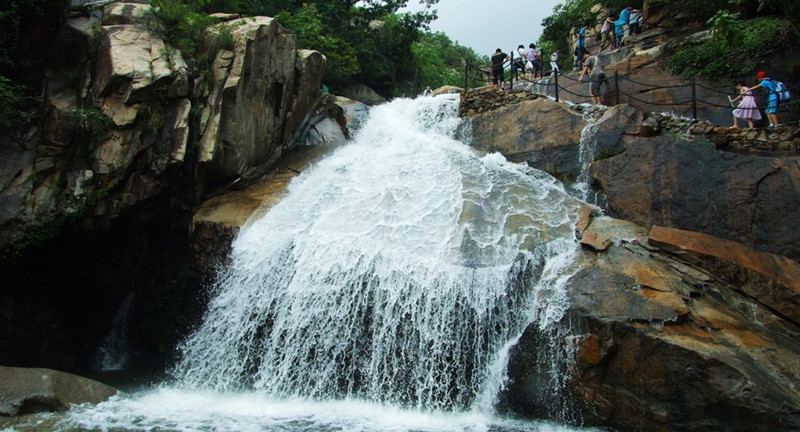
[183,25]
[12,96]
[735,50]
[441,62]
[342,61]
[18,19]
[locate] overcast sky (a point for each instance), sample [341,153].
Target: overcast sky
[485,25]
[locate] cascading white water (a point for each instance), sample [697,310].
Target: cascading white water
[393,277]
[393,271]
[113,354]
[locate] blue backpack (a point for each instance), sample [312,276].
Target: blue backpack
[784,95]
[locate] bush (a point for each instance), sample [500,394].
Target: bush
[727,57]
[184,27]
[342,60]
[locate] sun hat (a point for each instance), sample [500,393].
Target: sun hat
[761,74]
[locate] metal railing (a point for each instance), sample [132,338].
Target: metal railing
[624,88]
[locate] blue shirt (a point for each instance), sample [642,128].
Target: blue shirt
[770,86]
[625,16]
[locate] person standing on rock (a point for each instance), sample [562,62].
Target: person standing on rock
[520,57]
[625,20]
[554,62]
[499,59]
[772,103]
[581,45]
[747,108]
[593,68]
[609,39]
[635,21]
[533,60]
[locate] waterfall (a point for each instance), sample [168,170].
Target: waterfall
[113,354]
[383,292]
[587,149]
[395,270]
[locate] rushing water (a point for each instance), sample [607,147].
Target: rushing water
[381,294]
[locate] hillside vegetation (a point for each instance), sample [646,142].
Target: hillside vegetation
[744,33]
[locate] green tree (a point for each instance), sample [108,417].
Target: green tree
[26,25]
[342,61]
[441,61]
[735,49]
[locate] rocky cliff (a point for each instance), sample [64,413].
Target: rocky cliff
[130,138]
[683,309]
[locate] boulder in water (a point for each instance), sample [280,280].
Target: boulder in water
[30,390]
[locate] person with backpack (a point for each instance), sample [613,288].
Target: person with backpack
[772,102]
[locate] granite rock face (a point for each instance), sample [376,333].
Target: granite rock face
[683,306]
[131,126]
[690,184]
[662,341]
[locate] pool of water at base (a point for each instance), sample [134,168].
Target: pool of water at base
[174,410]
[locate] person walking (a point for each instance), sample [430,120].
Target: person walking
[580,48]
[747,109]
[533,61]
[625,20]
[520,57]
[594,69]
[499,59]
[609,40]
[635,21]
[554,62]
[772,102]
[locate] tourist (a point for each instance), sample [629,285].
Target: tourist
[520,57]
[625,20]
[580,48]
[772,103]
[554,62]
[594,69]
[635,21]
[609,40]
[619,32]
[747,108]
[534,59]
[499,59]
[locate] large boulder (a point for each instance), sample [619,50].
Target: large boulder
[660,344]
[256,105]
[26,391]
[217,220]
[541,132]
[691,185]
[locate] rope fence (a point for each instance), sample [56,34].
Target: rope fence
[634,92]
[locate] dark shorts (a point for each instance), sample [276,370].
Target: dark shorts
[498,75]
[597,81]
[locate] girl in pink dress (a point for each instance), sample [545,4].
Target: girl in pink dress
[747,108]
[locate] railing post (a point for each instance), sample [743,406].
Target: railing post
[555,75]
[694,100]
[616,87]
[513,71]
